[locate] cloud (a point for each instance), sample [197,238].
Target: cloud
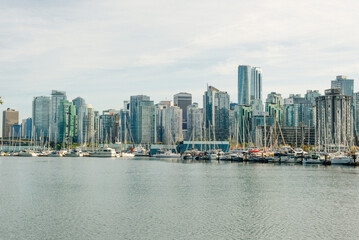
[106,51]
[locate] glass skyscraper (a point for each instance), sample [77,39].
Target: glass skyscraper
[41,112]
[249,84]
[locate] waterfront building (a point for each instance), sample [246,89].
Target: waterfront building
[26,128]
[216,114]
[334,119]
[67,123]
[15,131]
[249,84]
[183,100]
[345,85]
[143,119]
[125,135]
[78,102]
[296,136]
[10,118]
[297,110]
[194,122]
[274,106]
[256,83]
[106,128]
[86,124]
[311,96]
[41,116]
[56,98]
[242,122]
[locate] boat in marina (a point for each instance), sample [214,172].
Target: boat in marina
[341,159]
[166,154]
[75,153]
[103,152]
[140,151]
[55,154]
[126,154]
[28,153]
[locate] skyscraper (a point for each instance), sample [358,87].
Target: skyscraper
[334,119]
[256,83]
[41,115]
[345,85]
[249,84]
[244,84]
[183,100]
[56,97]
[67,122]
[142,114]
[10,118]
[216,113]
[78,102]
[86,124]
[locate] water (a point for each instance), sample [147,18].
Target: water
[89,198]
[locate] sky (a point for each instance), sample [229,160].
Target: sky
[108,50]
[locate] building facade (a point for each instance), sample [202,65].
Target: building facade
[56,98]
[10,118]
[41,116]
[334,119]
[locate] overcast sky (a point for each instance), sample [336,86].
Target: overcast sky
[106,51]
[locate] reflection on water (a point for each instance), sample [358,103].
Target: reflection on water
[89,198]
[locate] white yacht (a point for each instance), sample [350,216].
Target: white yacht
[28,153]
[166,154]
[126,154]
[341,159]
[75,153]
[55,154]
[103,152]
[140,151]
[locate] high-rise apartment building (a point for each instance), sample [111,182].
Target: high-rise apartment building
[297,110]
[56,98]
[143,119]
[67,123]
[182,100]
[26,128]
[41,116]
[10,118]
[345,85]
[86,124]
[78,102]
[216,113]
[334,119]
[249,84]
[195,122]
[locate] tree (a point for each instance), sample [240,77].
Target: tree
[0,100]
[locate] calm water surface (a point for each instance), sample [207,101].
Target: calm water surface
[92,198]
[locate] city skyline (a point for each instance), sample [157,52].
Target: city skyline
[77,48]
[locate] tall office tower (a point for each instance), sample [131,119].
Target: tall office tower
[41,116]
[256,83]
[216,113]
[10,118]
[297,110]
[195,122]
[334,119]
[78,102]
[56,97]
[67,123]
[274,106]
[311,95]
[345,85]
[86,124]
[183,100]
[143,119]
[106,129]
[168,124]
[26,128]
[249,84]
[244,84]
